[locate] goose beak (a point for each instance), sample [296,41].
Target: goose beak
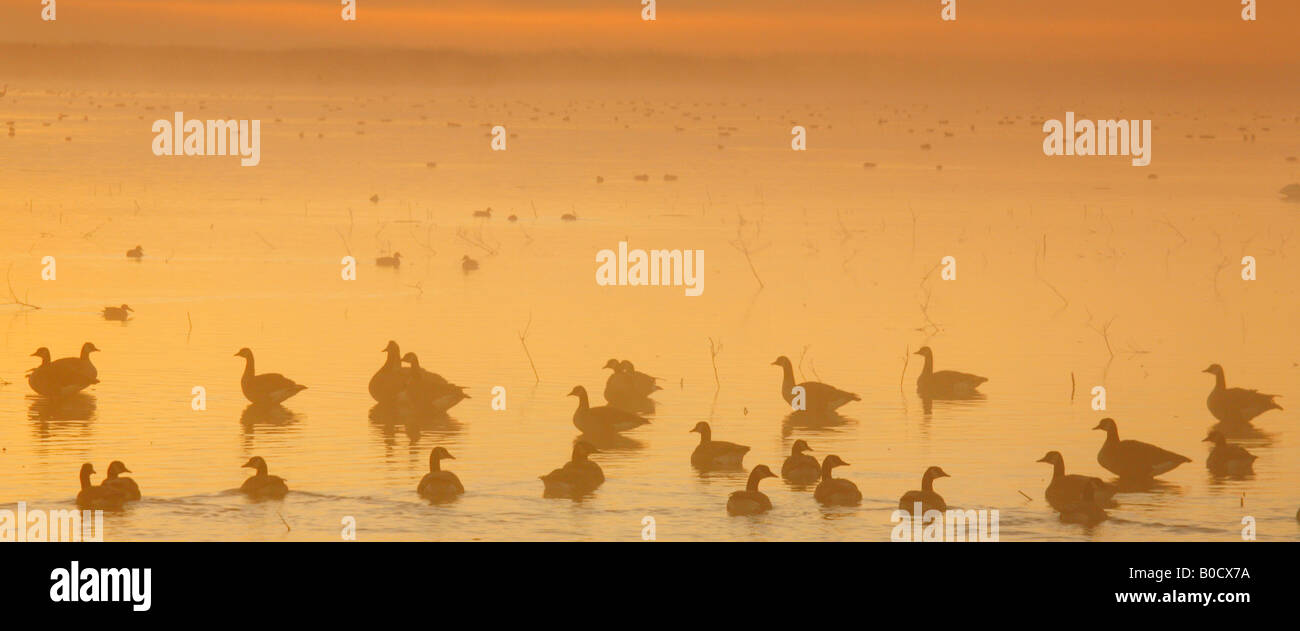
[1044,458]
[126,470]
[1206,439]
[1098,426]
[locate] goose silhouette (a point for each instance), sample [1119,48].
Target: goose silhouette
[1227,459]
[136,252]
[799,467]
[625,384]
[751,501]
[92,497]
[389,382]
[429,389]
[836,491]
[262,485]
[1066,490]
[1236,405]
[267,388]
[944,384]
[61,378]
[579,476]
[715,454]
[1133,459]
[126,486]
[602,419]
[818,397]
[926,497]
[390,261]
[1087,509]
[438,485]
[119,314]
[468,264]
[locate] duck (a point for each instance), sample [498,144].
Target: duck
[818,397]
[468,264]
[50,380]
[1064,490]
[1236,405]
[389,382]
[119,314]
[262,485]
[81,364]
[642,384]
[438,484]
[602,419]
[487,214]
[136,252]
[800,468]
[267,388]
[125,486]
[100,497]
[926,497]
[390,261]
[751,501]
[1225,458]
[429,388]
[715,453]
[1133,459]
[945,384]
[836,491]
[578,476]
[625,383]
[1087,509]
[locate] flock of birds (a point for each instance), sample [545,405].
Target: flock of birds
[401,382]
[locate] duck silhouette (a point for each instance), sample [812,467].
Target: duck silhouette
[579,476]
[269,388]
[836,491]
[751,501]
[716,454]
[817,397]
[468,264]
[1133,459]
[799,467]
[63,377]
[92,497]
[118,314]
[390,261]
[944,384]
[136,252]
[438,485]
[429,389]
[1065,490]
[1236,405]
[263,485]
[926,497]
[1227,459]
[389,382]
[602,419]
[126,486]
[625,384]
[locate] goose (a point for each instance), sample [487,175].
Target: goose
[818,397]
[118,313]
[261,485]
[800,468]
[389,382]
[1290,192]
[945,384]
[625,383]
[468,264]
[429,388]
[135,253]
[51,381]
[602,419]
[926,497]
[836,491]
[751,501]
[512,218]
[1133,459]
[1225,458]
[578,476]
[267,388]
[438,484]
[93,497]
[569,217]
[1236,405]
[390,261]
[126,486]
[642,383]
[80,364]
[1086,509]
[715,453]
[483,213]
[1064,490]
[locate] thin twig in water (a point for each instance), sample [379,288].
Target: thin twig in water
[713,356]
[286,524]
[13,296]
[523,341]
[907,355]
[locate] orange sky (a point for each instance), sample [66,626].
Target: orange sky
[1200,31]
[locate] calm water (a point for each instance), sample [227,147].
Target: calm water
[1049,251]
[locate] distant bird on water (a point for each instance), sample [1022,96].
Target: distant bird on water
[800,468]
[262,485]
[710,454]
[468,264]
[625,383]
[1133,459]
[92,497]
[1065,490]
[485,214]
[836,491]
[1236,405]
[818,397]
[577,477]
[119,314]
[926,497]
[751,501]
[136,252]
[267,388]
[944,384]
[438,485]
[1291,192]
[602,419]
[1225,458]
[390,261]
[126,486]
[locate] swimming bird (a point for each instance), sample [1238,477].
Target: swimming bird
[1086,510]
[93,497]
[135,252]
[267,388]
[836,491]
[487,214]
[468,264]
[390,261]
[577,477]
[389,382]
[1290,192]
[602,419]
[1133,459]
[751,501]
[800,468]
[818,397]
[430,389]
[1225,458]
[926,497]
[1236,405]
[945,384]
[126,486]
[118,313]
[65,376]
[262,485]
[1065,490]
[626,384]
[438,485]
[642,384]
[711,453]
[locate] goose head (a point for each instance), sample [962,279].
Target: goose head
[1053,458]
[1107,425]
[397,255]
[578,391]
[438,453]
[87,470]
[245,353]
[256,462]
[391,348]
[783,362]
[758,473]
[612,364]
[1215,370]
[116,467]
[833,461]
[626,366]
[126,307]
[411,359]
[703,429]
[925,352]
[934,473]
[799,447]
[466,259]
[1216,438]
[88,348]
[43,353]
